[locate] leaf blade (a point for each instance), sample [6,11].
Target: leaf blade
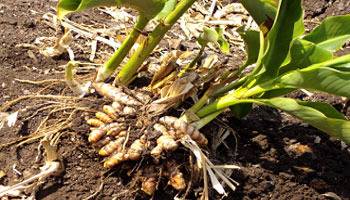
[287,26]
[323,79]
[303,54]
[332,33]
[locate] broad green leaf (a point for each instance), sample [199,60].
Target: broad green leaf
[251,39]
[332,33]
[241,110]
[324,79]
[223,43]
[287,26]
[303,54]
[325,108]
[319,115]
[343,67]
[262,11]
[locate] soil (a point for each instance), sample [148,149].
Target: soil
[270,167]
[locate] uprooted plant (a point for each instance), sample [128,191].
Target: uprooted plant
[135,129]
[283,60]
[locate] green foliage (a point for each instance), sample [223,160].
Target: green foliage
[332,33]
[215,36]
[208,35]
[304,53]
[262,11]
[317,114]
[251,39]
[289,61]
[241,110]
[287,26]
[67,6]
[222,42]
[323,79]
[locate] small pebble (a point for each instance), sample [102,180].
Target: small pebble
[317,140]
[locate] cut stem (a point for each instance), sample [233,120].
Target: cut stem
[142,53]
[110,66]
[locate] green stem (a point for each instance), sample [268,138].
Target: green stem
[200,103]
[110,66]
[229,87]
[142,53]
[192,63]
[205,120]
[229,100]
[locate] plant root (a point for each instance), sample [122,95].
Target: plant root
[120,134]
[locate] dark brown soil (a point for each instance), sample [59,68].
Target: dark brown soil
[270,169]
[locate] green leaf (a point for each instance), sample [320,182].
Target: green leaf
[277,92]
[288,25]
[320,115]
[343,67]
[251,39]
[326,109]
[241,110]
[303,54]
[208,35]
[317,114]
[262,11]
[223,43]
[324,79]
[332,33]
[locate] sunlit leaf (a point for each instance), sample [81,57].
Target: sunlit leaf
[208,35]
[147,8]
[304,53]
[262,11]
[223,43]
[320,115]
[287,26]
[332,33]
[323,79]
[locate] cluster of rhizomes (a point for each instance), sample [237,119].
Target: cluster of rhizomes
[122,132]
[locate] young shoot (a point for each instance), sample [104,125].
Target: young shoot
[209,35]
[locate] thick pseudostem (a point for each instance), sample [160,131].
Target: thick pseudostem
[113,62]
[147,9]
[142,53]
